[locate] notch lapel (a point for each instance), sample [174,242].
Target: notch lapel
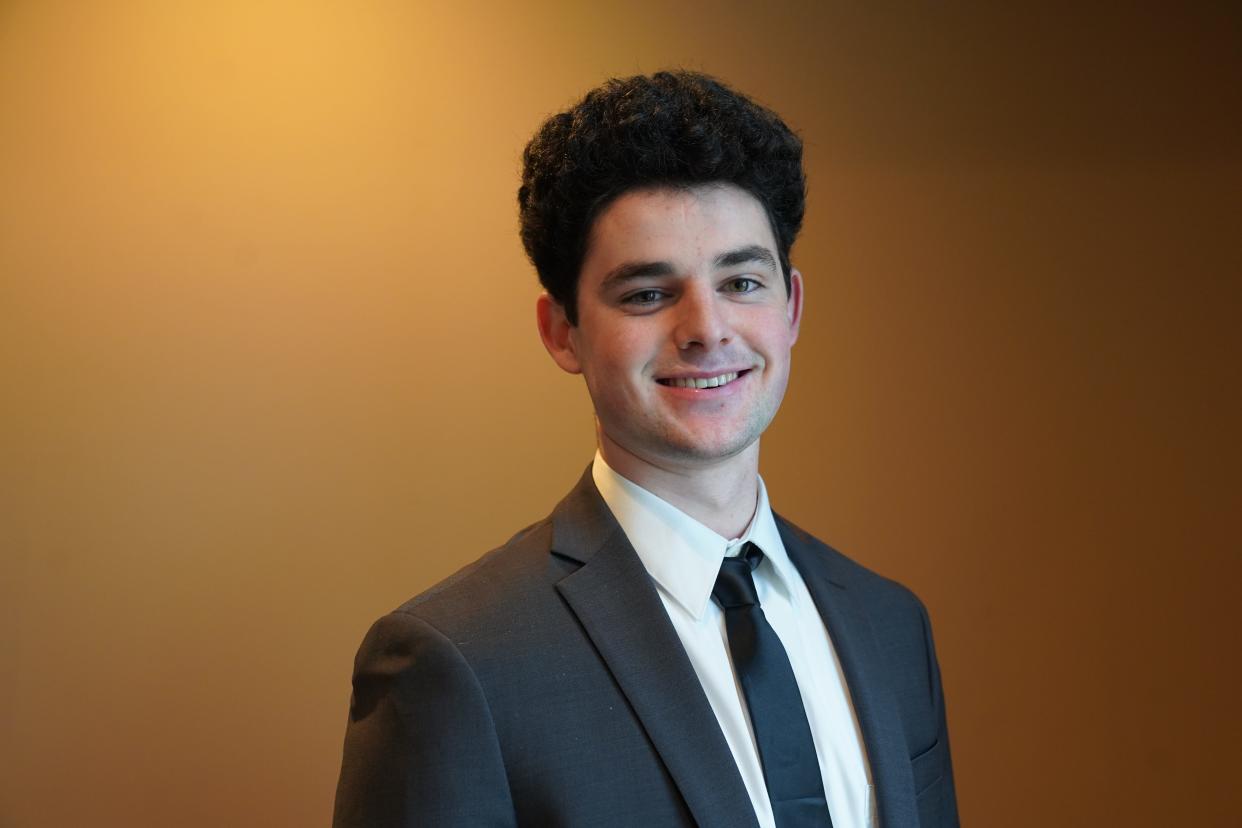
[856,647]
[615,601]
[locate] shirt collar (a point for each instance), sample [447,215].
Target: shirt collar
[682,555]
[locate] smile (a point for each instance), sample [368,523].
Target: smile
[705,382]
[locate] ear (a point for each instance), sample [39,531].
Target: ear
[793,309]
[557,333]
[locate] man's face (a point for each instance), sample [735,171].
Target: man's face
[684,325]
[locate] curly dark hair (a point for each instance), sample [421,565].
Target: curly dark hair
[674,129]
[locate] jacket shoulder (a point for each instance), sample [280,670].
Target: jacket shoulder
[497,592]
[879,591]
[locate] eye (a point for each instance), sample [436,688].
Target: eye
[742,284]
[646,296]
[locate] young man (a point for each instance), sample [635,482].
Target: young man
[662,650]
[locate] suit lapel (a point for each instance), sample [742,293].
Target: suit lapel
[855,643]
[615,601]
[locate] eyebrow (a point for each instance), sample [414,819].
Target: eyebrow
[746,255]
[632,271]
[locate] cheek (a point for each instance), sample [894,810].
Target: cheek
[617,354]
[775,338]
[625,352]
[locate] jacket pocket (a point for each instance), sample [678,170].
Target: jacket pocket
[928,767]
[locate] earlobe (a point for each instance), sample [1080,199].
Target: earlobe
[557,333]
[793,309]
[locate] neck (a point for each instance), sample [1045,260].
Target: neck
[720,494]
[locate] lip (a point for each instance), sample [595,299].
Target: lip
[691,392]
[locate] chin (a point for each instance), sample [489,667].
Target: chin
[701,451]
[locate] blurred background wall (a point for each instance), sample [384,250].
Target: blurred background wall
[270,367]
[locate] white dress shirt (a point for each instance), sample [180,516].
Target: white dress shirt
[683,557]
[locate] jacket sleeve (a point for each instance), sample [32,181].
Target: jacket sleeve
[420,747]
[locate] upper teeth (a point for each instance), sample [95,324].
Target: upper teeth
[710,382]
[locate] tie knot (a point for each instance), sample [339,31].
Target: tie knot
[735,587]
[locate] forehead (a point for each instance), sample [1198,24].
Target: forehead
[684,226]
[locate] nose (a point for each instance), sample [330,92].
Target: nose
[700,320]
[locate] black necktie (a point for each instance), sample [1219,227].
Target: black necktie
[786,750]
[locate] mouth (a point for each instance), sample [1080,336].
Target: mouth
[701,382]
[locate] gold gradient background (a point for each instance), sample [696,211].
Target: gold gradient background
[270,367]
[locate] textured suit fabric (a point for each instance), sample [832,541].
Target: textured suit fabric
[544,685]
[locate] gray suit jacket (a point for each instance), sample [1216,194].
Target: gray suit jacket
[544,685]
